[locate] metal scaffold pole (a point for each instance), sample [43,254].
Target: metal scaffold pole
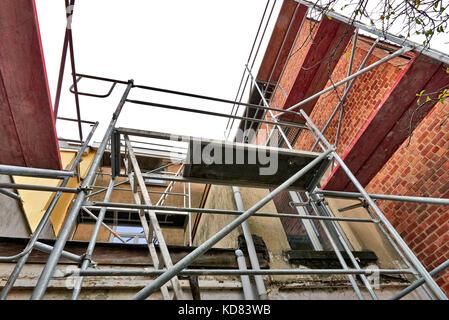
[23,257]
[153,219]
[407,251]
[87,258]
[146,227]
[173,271]
[53,259]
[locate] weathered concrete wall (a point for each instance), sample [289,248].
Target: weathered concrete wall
[12,219]
[220,288]
[366,236]
[269,229]
[362,236]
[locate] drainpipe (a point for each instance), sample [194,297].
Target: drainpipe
[246,285]
[250,245]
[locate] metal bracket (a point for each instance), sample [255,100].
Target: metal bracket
[294,204]
[363,204]
[87,257]
[85,189]
[115,153]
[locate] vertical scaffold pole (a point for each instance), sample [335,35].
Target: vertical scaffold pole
[26,253]
[407,251]
[53,259]
[187,260]
[153,219]
[87,258]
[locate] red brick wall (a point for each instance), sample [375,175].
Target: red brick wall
[421,169]
[302,45]
[365,94]
[298,52]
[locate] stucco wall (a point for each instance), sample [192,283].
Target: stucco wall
[268,228]
[12,219]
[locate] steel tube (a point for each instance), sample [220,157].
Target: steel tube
[339,255]
[287,60]
[287,33]
[407,251]
[127,180]
[155,192]
[249,58]
[93,239]
[398,251]
[186,94]
[343,98]
[252,64]
[10,194]
[173,271]
[342,110]
[148,233]
[35,172]
[135,172]
[254,260]
[26,252]
[103,224]
[173,210]
[350,255]
[262,95]
[271,113]
[72,63]
[53,259]
[354,75]
[75,120]
[211,113]
[421,281]
[17,186]
[357,195]
[61,76]
[65,254]
[246,284]
[308,225]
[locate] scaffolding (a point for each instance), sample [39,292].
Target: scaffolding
[308,169]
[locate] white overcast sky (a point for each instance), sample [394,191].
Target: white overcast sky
[197,46]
